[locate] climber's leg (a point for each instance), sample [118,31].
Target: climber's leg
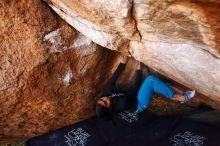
[152,85]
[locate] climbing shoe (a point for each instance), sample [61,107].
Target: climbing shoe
[188,95]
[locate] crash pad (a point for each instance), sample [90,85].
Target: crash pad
[131,129]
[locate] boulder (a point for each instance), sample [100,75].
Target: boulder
[179,39]
[47,75]
[51,73]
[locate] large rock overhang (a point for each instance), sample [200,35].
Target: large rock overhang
[180,39]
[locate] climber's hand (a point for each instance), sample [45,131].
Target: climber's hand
[138,66]
[123,59]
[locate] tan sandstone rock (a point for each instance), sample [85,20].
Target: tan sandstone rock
[47,75]
[50,74]
[180,39]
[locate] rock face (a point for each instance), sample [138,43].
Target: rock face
[180,39]
[47,76]
[50,74]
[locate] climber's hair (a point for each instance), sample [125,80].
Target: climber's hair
[100,110]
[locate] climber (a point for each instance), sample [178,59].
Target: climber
[113,100]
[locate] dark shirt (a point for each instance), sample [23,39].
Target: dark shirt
[121,100]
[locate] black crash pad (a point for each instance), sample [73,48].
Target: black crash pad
[128,129]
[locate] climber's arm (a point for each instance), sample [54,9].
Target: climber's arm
[133,91]
[110,84]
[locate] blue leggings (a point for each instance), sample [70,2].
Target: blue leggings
[152,85]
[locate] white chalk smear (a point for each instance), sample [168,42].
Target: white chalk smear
[81,40]
[55,39]
[67,77]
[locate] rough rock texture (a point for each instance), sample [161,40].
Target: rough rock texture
[180,39]
[47,76]
[50,73]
